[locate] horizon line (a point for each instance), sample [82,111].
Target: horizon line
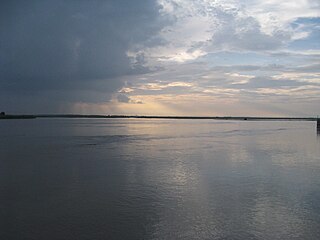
[71,115]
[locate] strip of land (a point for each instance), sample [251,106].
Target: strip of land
[158,117]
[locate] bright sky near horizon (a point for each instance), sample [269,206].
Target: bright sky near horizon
[165,57]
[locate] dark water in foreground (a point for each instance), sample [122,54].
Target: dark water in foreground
[158,179]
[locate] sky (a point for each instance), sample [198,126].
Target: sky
[160,57]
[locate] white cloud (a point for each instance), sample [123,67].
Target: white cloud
[193,66]
[203,26]
[273,14]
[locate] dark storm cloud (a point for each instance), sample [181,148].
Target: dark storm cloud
[71,46]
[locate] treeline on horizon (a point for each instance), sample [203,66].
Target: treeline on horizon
[26,116]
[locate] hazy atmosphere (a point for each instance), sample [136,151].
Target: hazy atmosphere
[165,57]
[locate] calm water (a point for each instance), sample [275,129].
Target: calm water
[159,179]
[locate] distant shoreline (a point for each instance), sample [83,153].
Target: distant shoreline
[157,117]
[17,117]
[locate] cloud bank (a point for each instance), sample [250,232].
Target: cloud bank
[71,50]
[177,57]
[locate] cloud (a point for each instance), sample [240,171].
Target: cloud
[204,26]
[72,47]
[268,82]
[123,98]
[60,54]
[244,33]
[273,15]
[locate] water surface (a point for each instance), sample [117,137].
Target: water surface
[159,179]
